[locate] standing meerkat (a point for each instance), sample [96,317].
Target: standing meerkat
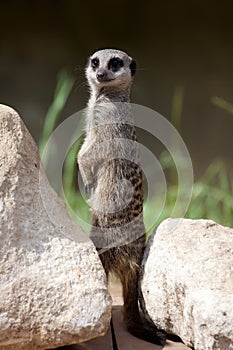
[110,168]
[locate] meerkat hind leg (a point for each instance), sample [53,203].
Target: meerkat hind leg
[135,323]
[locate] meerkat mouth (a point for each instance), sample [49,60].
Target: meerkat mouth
[105,83]
[107,80]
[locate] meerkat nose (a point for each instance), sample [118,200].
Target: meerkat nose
[101,75]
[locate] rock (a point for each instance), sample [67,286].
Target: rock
[52,285]
[187,285]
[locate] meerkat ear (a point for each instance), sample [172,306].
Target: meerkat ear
[133,67]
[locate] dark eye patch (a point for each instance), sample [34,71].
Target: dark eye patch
[95,63]
[115,64]
[133,67]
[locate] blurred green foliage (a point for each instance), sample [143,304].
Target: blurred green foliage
[212,196]
[65,82]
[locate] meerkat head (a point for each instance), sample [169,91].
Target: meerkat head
[110,68]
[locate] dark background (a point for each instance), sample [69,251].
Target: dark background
[187,44]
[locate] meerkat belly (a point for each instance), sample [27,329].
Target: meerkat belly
[117,204]
[118,190]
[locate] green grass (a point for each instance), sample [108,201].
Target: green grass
[65,82]
[223,104]
[212,192]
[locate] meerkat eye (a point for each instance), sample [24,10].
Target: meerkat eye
[95,63]
[115,64]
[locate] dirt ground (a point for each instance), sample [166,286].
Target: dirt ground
[124,340]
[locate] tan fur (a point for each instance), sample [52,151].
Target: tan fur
[118,230]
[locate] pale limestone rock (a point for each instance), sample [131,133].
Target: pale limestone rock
[52,284]
[187,283]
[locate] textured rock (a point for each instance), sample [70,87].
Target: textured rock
[52,284]
[187,284]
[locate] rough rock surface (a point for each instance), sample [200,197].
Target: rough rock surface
[52,284]
[187,284]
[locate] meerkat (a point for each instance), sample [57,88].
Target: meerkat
[109,164]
